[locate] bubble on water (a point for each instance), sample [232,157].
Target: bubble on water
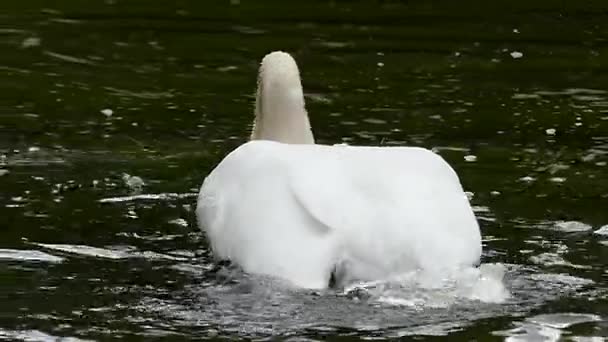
[107,112]
[131,214]
[470,158]
[30,42]
[133,182]
[557,179]
[179,222]
[494,193]
[550,131]
[33,149]
[516,54]
[527,179]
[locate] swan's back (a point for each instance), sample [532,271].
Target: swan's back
[301,211]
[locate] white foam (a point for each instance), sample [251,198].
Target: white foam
[134,183]
[420,289]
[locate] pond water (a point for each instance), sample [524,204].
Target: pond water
[114,111]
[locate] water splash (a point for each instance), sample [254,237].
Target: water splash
[235,304]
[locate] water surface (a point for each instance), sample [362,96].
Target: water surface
[114,111]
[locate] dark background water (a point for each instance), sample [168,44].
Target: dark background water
[513,95]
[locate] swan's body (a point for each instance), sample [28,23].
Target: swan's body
[303,212]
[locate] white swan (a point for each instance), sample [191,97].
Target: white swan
[280,205]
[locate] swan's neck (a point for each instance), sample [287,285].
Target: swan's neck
[279,108]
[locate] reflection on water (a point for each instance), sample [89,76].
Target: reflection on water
[115,111]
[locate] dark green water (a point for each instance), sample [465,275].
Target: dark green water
[514,96]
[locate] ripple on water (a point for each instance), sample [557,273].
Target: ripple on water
[28,255]
[546,327]
[35,335]
[553,259]
[234,304]
[154,197]
[113,252]
[571,226]
[563,226]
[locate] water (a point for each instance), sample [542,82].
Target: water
[113,112]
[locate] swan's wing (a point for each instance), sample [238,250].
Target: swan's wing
[390,206]
[347,188]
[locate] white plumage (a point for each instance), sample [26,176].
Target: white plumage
[303,211]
